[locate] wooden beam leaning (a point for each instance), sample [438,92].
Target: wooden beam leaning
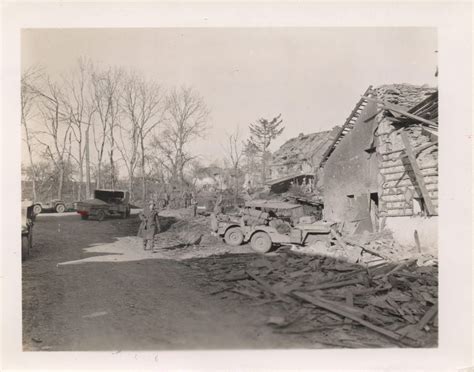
[418,175]
[400,111]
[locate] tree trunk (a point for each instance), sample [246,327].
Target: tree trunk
[112,170]
[61,182]
[130,184]
[33,170]
[98,176]
[81,177]
[144,190]
[88,166]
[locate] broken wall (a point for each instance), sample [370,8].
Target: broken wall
[400,194]
[352,169]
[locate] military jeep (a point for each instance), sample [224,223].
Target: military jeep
[265,223]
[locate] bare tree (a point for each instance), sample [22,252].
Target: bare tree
[250,160]
[186,119]
[143,105]
[106,98]
[80,109]
[234,154]
[28,96]
[263,132]
[57,127]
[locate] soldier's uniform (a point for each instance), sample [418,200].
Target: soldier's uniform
[150,225]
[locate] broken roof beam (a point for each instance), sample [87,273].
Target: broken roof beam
[418,175]
[351,120]
[400,111]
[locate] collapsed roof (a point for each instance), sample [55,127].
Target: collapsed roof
[405,104]
[304,148]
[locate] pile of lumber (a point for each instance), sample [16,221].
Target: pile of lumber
[344,304]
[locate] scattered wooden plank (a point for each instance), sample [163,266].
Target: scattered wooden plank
[429,315]
[235,277]
[364,248]
[419,177]
[268,287]
[349,302]
[245,293]
[220,290]
[339,284]
[347,314]
[313,329]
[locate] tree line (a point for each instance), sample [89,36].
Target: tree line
[94,121]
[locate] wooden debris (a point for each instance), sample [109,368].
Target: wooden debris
[347,314]
[395,298]
[268,288]
[430,314]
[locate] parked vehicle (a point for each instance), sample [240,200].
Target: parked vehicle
[264,223]
[55,205]
[105,203]
[27,222]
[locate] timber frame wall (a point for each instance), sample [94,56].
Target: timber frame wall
[398,186]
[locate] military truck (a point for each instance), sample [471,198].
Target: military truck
[265,223]
[105,203]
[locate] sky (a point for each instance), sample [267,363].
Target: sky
[313,77]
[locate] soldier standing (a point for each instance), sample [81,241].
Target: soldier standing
[150,225]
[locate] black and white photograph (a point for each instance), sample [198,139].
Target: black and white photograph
[232,188]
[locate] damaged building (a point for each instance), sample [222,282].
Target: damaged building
[296,161]
[381,169]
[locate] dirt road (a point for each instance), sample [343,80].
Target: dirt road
[88,285]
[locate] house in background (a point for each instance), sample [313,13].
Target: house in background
[381,170]
[210,178]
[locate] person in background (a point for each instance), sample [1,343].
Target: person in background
[150,225]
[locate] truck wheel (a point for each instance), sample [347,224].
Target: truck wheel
[60,208]
[37,209]
[100,215]
[234,236]
[25,247]
[261,242]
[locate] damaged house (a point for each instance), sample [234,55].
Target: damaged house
[381,169]
[296,161]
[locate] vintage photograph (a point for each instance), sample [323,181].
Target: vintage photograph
[229,188]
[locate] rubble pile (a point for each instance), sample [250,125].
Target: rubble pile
[405,95]
[185,232]
[395,302]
